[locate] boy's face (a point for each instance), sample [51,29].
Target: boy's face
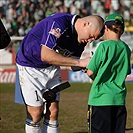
[132,58]
[132,55]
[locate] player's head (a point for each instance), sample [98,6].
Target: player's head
[115,23]
[89,28]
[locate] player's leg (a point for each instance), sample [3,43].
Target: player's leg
[31,90]
[34,115]
[51,118]
[33,81]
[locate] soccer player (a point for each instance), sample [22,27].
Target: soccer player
[108,69]
[4,36]
[57,40]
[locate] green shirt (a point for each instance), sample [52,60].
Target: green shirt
[110,65]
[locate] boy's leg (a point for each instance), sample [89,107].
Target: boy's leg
[89,115]
[100,119]
[120,119]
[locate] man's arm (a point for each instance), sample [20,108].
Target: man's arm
[52,57]
[4,36]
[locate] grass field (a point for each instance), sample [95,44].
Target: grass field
[73,109]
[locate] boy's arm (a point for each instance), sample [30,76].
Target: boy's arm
[90,74]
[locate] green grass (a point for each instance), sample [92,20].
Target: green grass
[73,109]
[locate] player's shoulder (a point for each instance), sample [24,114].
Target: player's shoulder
[107,42]
[57,16]
[63,19]
[101,43]
[125,45]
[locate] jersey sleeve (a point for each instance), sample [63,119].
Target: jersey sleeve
[51,33]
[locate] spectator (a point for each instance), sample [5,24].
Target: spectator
[19,13]
[115,6]
[131,14]
[107,6]
[132,59]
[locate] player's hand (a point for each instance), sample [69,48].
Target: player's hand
[84,62]
[84,70]
[49,96]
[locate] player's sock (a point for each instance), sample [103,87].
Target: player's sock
[31,127]
[50,126]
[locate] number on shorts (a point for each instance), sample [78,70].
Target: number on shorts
[37,99]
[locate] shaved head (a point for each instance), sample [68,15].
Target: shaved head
[95,21]
[89,28]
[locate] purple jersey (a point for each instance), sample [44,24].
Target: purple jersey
[56,32]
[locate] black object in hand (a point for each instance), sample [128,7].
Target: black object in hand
[50,95]
[77,68]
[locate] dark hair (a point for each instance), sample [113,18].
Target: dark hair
[102,31]
[117,26]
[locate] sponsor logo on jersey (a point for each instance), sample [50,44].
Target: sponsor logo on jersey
[55,32]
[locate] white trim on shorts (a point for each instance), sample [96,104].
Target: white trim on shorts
[34,80]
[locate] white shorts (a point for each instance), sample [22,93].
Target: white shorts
[34,80]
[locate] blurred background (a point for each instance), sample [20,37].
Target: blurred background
[19,16]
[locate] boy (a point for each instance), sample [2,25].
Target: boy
[108,69]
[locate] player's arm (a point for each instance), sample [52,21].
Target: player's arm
[4,36]
[52,57]
[90,74]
